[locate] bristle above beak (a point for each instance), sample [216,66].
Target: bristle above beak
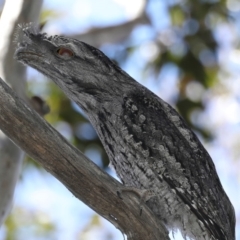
[23,31]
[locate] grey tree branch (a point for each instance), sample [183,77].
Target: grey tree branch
[11,156]
[82,177]
[111,34]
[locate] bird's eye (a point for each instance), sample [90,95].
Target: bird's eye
[65,53]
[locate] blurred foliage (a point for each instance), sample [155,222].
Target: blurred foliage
[92,230]
[192,28]
[23,223]
[47,15]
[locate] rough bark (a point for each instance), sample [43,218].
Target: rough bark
[82,177]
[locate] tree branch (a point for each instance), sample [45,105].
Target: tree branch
[11,156]
[111,34]
[82,177]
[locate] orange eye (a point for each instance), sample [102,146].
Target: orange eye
[65,52]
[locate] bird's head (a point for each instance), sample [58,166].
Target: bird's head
[79,69]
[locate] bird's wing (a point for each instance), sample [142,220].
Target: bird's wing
[187,166]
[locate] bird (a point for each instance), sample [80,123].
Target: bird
[148,143]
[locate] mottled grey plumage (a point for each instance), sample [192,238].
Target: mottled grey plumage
[147,142]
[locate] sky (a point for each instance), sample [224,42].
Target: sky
[39,192]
